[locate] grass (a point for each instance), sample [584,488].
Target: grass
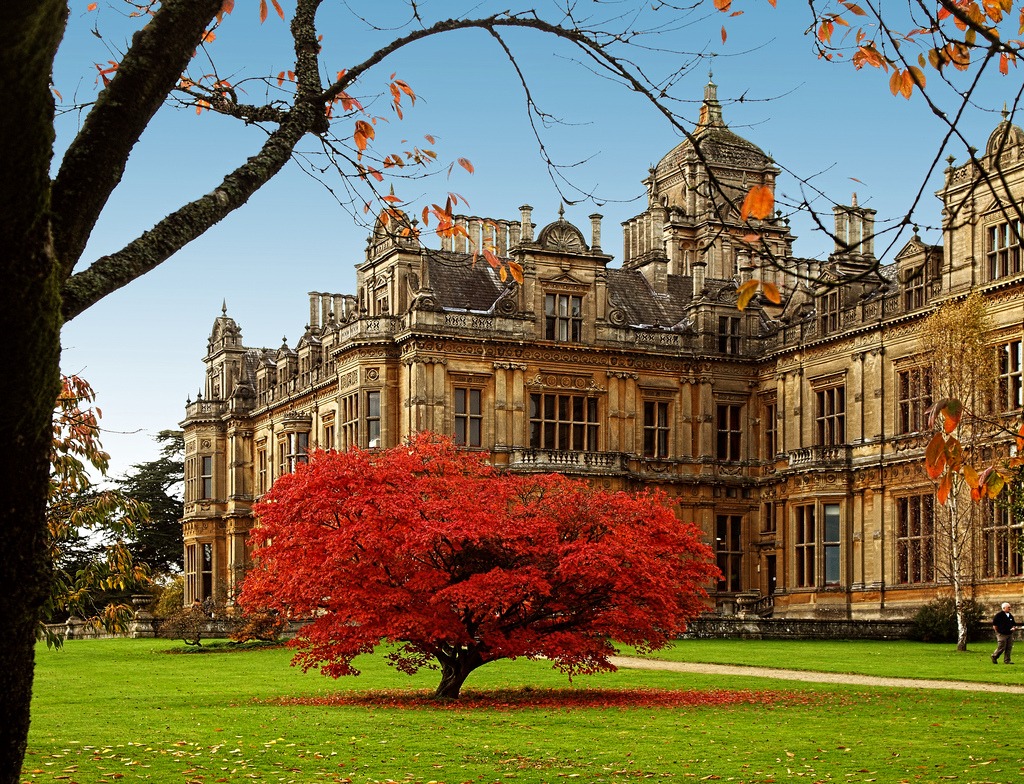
[125,710]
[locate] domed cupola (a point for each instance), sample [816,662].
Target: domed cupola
[561,236]
[1006,140]
[718,146]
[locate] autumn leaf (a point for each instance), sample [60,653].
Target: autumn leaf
[771,293]
[942,494]
[745,293]
[758,204]
[516,270]
[723,5]
[952,411]
[935,456]
[465,164]
[724,34]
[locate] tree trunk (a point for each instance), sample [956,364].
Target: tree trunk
[30,31]
[455,668]
[956,559]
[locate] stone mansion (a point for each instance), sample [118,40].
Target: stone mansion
[792,434]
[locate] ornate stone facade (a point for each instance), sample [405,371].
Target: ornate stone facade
[791,434]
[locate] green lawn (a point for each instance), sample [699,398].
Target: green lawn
[126,710]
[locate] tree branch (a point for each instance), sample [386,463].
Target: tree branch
[95,162]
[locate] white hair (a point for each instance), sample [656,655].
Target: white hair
[1006,605]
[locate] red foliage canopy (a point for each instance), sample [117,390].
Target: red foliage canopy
[432,549]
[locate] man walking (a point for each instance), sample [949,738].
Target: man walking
[1003,623]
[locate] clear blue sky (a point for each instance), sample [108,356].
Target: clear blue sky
[142,347]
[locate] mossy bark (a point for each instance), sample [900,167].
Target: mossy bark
[30,321]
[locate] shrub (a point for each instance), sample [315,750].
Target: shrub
[936,621]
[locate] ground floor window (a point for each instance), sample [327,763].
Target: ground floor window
[817,545]
[1001,542]
[729,551]
[915,539]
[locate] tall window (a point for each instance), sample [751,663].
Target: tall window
[656,428]
[913,399]
[831,544]
[1010,376]
[915,539]
[1001,540]
[829,306]
[566,422]
[199,571]
[1004,249]
[563,317]
[915,288]
[805,545]
[206,575]
[468,417]
[729,334]
[771,433]
[771,514]
[373,420]
[831,416]
[349,421]
[206,477]
[729,430]
[729,550]
[297,450]
[261,470]
[328,437]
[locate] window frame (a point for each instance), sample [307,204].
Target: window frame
[467,415]
[729,432]
[1010,368]
[563,317]
[656,429]
[914,539]
[913,399]
[1003,249]
[830,414]
[729,552]
[730,331]
[549,429]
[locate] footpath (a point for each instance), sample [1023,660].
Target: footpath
[629,662]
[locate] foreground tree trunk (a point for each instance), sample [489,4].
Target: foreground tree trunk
[30,31]
[455,668]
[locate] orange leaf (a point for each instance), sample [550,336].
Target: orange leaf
[745,293]
[517,271]
[277,7]
[263,11]
[758,203]
[935,456]
[724,34]
[944,487]
[465,164]
[951,413]
[91,7]
[771,293]
[723,5]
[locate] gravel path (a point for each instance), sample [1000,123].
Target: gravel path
[629,662]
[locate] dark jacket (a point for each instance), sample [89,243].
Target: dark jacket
[1004,623]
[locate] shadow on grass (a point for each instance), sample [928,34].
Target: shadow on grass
[556,699]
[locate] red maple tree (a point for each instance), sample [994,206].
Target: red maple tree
[433,550]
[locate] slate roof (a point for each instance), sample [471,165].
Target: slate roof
[629,291]
[458,284]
